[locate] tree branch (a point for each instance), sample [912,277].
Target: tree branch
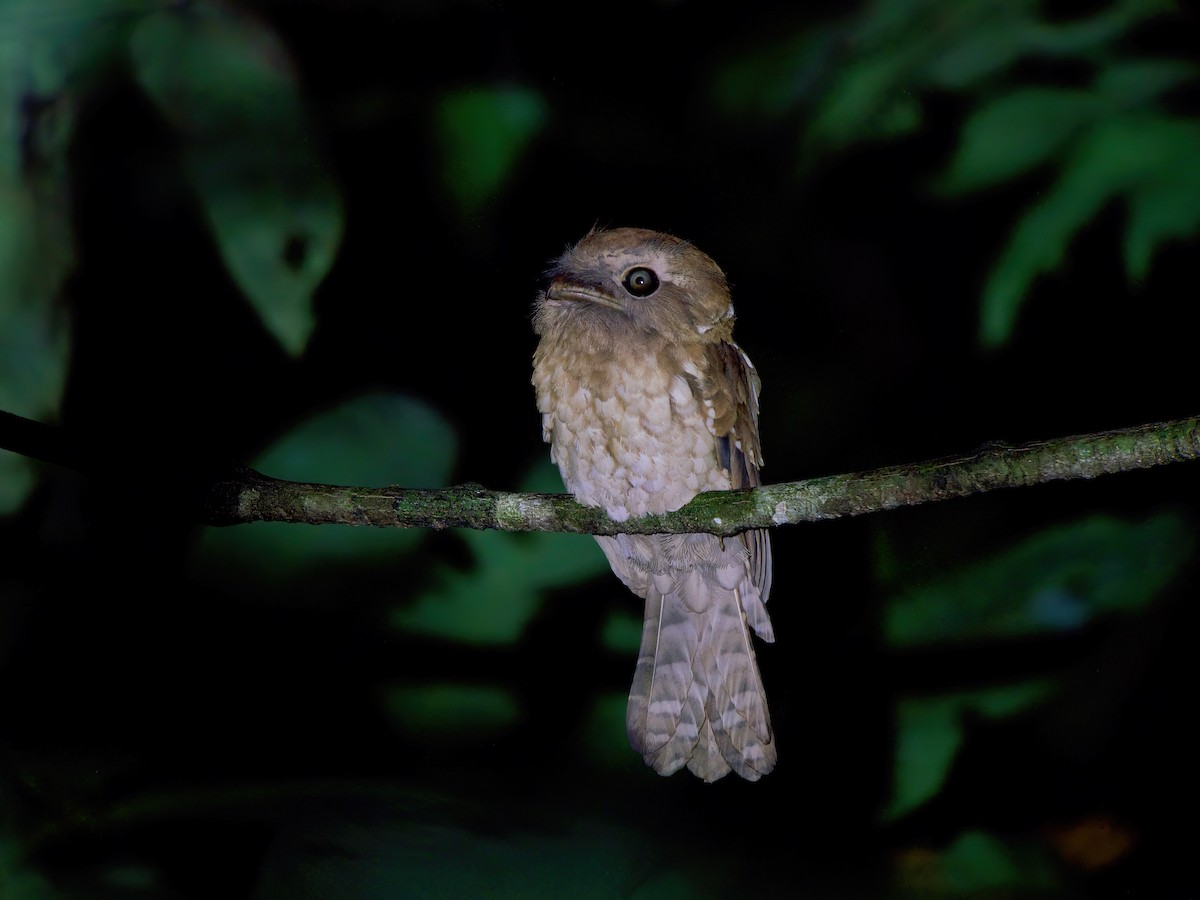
[37,440]
[250,496]
[245,495]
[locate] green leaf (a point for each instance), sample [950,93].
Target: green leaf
[374,440]
[1167,204]
[977,862]
[18,880]
[278,237]
[929,733]
[492,602]
[1094,36]
[1057,580]
[17,479]
[622,631]
[225,82]
[53,54]
[1132,83]
[384,856]
[1015,133]
[1157,213]
[602,735]
[482,132]
[33,369]
[859,102]
[983,50]
[774,77]
[902,47]
[1114,158]
[38,58]
[454,712]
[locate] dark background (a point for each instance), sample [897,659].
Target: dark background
[281,711]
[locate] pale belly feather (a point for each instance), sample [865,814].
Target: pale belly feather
[632,439]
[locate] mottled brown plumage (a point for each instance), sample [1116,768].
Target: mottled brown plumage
[646,401]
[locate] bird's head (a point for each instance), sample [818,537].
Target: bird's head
[621,282]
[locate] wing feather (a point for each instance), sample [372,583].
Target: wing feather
[732,386]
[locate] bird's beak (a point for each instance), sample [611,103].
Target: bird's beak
[563,288]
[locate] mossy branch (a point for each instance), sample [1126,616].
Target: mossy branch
[245,495]
[249,496]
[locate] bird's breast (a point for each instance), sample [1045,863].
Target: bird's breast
[629,434]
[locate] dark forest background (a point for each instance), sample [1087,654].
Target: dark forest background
[306,236]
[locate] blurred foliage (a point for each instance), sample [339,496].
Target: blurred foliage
[493,599]
[583,859]
[41,54]
[605,719]
[18,881]
[373,440]
[225,81]
[1152,161]
[981,865]
[622,632]
[451,713]
[482,132]
[1115,137]
[1059,579]
[929,732]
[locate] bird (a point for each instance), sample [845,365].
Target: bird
[647,401]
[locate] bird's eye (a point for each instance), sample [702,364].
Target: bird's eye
[640,281]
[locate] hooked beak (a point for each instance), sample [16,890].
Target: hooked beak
[563,288]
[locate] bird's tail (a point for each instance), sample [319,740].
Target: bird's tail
[697,697]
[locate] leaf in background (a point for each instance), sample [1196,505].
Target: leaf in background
[226,83]
[1119,155]
[1131,83]
[929,733]
[622,630]
[482,132]
[862,78]
[19,881]
[1057,580]
[778,75]
[1009,136]
[491,602]
[33,339]
[1094,36]
[382,856]
[978,865]
[602,734]
[43,58]
[1166,205]
[34,393]
[866,103]
[374,440]
[977,862]
[986,38]
[451,712]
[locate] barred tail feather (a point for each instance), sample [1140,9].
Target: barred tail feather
[697,697]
